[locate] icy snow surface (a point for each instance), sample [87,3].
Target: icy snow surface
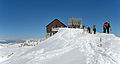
[68,46]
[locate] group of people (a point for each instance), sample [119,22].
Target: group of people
[106,26]
[89,29]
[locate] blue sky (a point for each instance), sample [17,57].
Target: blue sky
[23,19]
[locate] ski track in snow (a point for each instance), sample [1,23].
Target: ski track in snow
[68,46]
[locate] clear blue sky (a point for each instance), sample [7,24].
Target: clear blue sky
[22,19]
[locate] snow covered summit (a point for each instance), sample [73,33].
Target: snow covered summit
[70,46]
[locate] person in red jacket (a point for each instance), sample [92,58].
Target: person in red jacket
[106,26]
[73,26]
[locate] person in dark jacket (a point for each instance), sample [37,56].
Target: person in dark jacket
[83,27]
[89,29]
[94,29]
[106,26]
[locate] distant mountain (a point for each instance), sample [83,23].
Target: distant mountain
[6,42]
[3,41]
[11,41]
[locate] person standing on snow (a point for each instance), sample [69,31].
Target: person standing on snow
[83,27]
[74,26]
[89,29]
[94,29]
[106,26]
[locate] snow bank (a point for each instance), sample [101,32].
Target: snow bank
[71,46]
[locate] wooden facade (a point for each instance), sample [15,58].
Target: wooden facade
[53,27]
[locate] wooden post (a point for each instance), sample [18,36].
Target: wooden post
[100,42]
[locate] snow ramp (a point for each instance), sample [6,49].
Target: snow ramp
[72,46]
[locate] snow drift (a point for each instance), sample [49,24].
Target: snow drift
[71,46]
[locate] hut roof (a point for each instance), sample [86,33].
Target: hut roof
[56,20]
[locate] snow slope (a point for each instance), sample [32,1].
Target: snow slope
[71,46]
